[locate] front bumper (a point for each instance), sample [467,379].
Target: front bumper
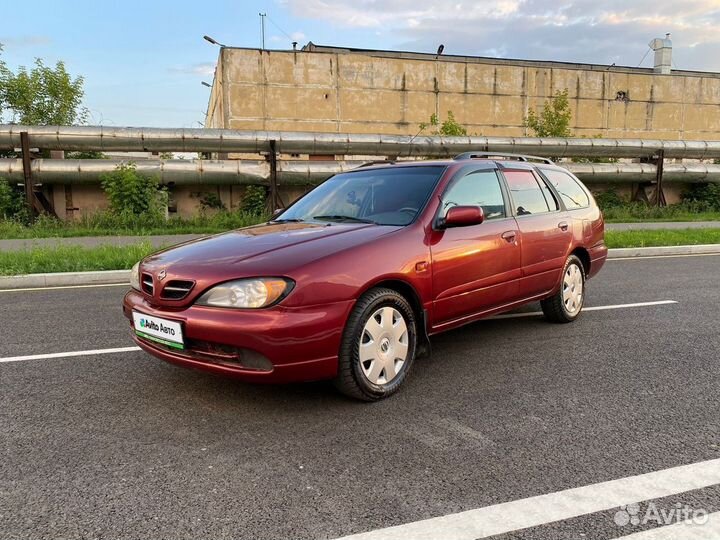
[293,344]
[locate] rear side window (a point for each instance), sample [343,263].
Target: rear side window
[572,194]
[529,196]
[479,188]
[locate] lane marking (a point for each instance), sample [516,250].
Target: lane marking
[570,503]
[129,349]
[592,308]
[69,354]
[66,287]
[661,257]
[687,530]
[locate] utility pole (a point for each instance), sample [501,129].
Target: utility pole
[262,27]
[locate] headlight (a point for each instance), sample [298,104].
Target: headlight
[135,277]
[247,293]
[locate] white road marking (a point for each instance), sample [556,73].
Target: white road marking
[593,308]
[69,354]
[687,530]
[534,511]
[67,287]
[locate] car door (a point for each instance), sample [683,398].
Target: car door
[545,230]
[476,267]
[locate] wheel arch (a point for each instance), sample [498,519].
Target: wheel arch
[584,256]
[411,295]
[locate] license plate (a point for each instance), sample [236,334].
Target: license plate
[159,330]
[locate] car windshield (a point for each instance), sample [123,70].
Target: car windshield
[387,196]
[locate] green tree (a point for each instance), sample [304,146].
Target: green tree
[554,119]
[42,95]
[450,127]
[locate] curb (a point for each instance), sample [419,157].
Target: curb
[700,249]
[65,279]
[112,277]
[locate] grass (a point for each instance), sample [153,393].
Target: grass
[107,257]
[72,259]
[105,224]
[632,214]
[661,237]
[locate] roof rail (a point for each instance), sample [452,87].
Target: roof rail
[502,155]
[377,162]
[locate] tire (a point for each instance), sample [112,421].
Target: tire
[380,371]
[566,305]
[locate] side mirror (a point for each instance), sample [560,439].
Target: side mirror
[276,213]
[463,216]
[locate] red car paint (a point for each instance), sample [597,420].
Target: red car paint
[452,276]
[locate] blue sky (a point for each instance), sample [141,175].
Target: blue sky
[143,61]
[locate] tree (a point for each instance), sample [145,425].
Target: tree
[449,127]
[554,120]
[42,95]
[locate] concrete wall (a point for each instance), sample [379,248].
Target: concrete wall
[381,93]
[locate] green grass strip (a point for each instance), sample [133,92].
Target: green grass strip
[72,259]
[661,237]
[108,257]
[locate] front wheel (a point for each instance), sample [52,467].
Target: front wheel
[378,346]
[565,306]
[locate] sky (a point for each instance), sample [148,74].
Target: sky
[143,62]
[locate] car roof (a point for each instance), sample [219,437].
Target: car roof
[498,162]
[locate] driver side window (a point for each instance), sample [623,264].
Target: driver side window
[479,188]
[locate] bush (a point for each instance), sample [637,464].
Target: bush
[609,199]
[133,195]
[12,202]
[254,200]
[703,196]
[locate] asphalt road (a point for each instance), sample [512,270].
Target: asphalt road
[123,446]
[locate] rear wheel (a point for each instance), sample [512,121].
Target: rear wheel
[378,346]
[565,306]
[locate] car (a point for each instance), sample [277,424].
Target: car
[350,281]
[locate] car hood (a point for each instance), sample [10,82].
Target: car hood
[272,249]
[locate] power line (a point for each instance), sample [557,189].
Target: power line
[278,27]
[645,56]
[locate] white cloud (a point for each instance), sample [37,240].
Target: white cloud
[578,30]
[23,41]
[207,68]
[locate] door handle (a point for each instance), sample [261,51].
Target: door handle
[509,236]
[563,225]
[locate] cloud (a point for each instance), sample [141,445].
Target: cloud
[24,41]
[207,68]
[575,31]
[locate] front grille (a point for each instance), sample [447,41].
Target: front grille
[177,289]
[147,284]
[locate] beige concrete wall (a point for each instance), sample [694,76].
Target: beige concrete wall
[362,93]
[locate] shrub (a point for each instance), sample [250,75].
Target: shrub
[554,119]
[254,200]
[133,195]
[450,127]
[703,196]
[210,200]
[12,201]
[609,199]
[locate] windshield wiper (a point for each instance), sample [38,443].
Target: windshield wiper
[344,218]
[288,220]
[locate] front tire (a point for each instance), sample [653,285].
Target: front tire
[378,346]
[566,305]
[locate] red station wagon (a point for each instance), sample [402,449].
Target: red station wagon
[350,281]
